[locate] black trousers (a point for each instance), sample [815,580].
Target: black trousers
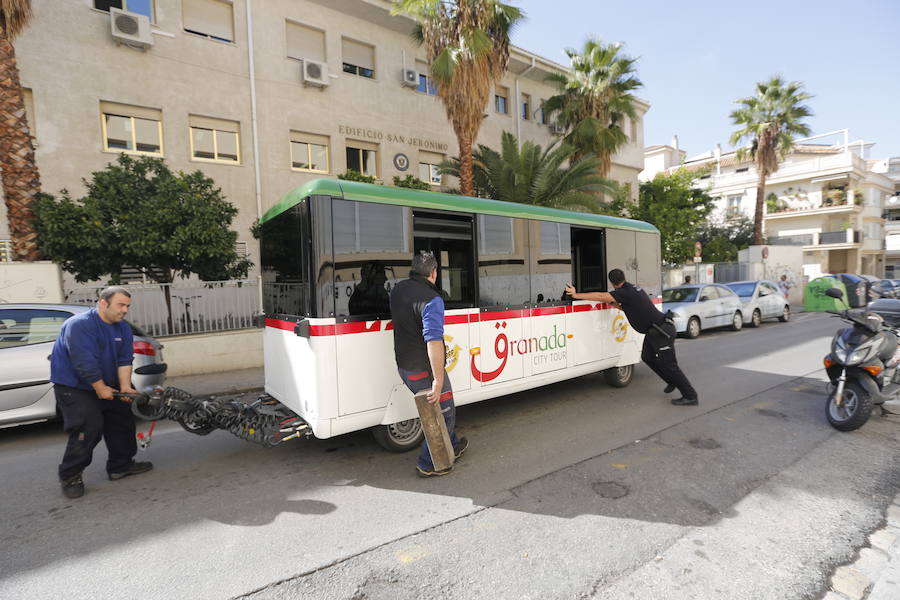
[659,354]
[87,419]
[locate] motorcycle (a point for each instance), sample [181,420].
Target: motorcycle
[862,364]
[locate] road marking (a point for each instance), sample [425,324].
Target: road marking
[801,360]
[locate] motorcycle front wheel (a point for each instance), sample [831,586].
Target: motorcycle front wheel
[853,412]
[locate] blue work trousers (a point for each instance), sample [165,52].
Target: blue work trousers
[419,381]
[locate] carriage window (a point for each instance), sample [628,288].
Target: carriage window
[371,254]
[551,260]
[589,256]
[502,265]
[284,262]
[449,237]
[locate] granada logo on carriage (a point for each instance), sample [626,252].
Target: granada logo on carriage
[545,349]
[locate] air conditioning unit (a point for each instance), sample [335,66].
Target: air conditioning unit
[314,73]
[556,129]
[410,78]
[130,28]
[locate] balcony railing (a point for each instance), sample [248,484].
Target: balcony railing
[844,236]
[6,251]
[792,240]
[814,201]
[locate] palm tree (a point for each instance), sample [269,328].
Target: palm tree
[594,98]
[18,169]
[770,120]
[467,42]
[532,175]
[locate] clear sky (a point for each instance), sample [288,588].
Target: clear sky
[696,58]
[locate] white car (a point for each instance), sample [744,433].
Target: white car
[703,306]
[27,333]
[761,300]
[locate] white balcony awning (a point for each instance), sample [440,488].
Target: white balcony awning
[830,178]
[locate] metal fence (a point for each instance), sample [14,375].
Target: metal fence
[6,251]
[196,308]
[726,272]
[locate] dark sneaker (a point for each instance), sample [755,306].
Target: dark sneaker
[460,448]
[73,487]
[432,473]
[685,401]
[134,468]
[669,389]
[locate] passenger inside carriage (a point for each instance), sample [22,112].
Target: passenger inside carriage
[370,297]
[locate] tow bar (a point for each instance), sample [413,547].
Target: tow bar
[266,421]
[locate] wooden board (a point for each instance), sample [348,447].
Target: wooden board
[435,432]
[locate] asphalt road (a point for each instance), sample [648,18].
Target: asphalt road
[576,490]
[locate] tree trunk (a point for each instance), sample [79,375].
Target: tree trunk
[21,182]
[466,167]
[760,203]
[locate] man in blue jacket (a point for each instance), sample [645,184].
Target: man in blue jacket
[91,360]
[417,311]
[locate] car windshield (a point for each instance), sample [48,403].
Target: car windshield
[680,294]
[744,290]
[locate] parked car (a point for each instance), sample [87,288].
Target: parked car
[27,333]
[761,300]
[885,288]
[703,306]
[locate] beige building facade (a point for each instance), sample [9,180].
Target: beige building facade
[260,95]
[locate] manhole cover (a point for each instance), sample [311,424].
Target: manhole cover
[610,489]
[705,444]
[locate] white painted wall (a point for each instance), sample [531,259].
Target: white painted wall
[30,282]
[213,352]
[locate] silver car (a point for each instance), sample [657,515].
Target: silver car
[27,333]
[761,300]
[703,306]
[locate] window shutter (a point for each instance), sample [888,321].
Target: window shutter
[361,55]
[209,17]
[305,42]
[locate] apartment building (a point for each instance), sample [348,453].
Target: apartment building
[261,95]
[827,196]
[892,222]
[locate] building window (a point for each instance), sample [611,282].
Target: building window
[309,152]
[733,206]
[362,157]
[210,18]
[542,117]
[742,170]
[141,7]
[215,140]
[132,129]
[501,99]
[526,107]
[365,227]
[359,59]
[304,43]
[430,167]
[427,84]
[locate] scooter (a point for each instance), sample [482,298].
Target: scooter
[862,366]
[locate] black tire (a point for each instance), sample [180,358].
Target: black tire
[619,376]
[400,437]
[854,411]
[755,318]
[737,321]
[785,314]
[693,328]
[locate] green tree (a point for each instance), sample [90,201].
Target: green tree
[722,240]
[140,214]
[594,98]
[353,175]
[533,175]
[675,207]
[770,120]
[18,169]
[411,182]
[467,44]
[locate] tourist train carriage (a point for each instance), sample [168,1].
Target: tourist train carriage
[331,250]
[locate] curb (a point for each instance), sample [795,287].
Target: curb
[864,578]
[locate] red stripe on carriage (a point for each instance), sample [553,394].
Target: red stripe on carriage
[501,314]
[279,324]
[418,376]
[455,319]
[549,310]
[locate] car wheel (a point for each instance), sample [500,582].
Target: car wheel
[756,319]
[737,321]
[785,314]
[693,328]
[619,376]
[400,437]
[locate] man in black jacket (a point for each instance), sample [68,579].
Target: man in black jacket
[417,311]
[659,333]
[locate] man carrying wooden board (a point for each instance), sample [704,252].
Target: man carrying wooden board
[417,311]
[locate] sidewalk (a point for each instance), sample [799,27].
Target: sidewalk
[220,384]
[875,575]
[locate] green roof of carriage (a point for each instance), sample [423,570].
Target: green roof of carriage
[367,192]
